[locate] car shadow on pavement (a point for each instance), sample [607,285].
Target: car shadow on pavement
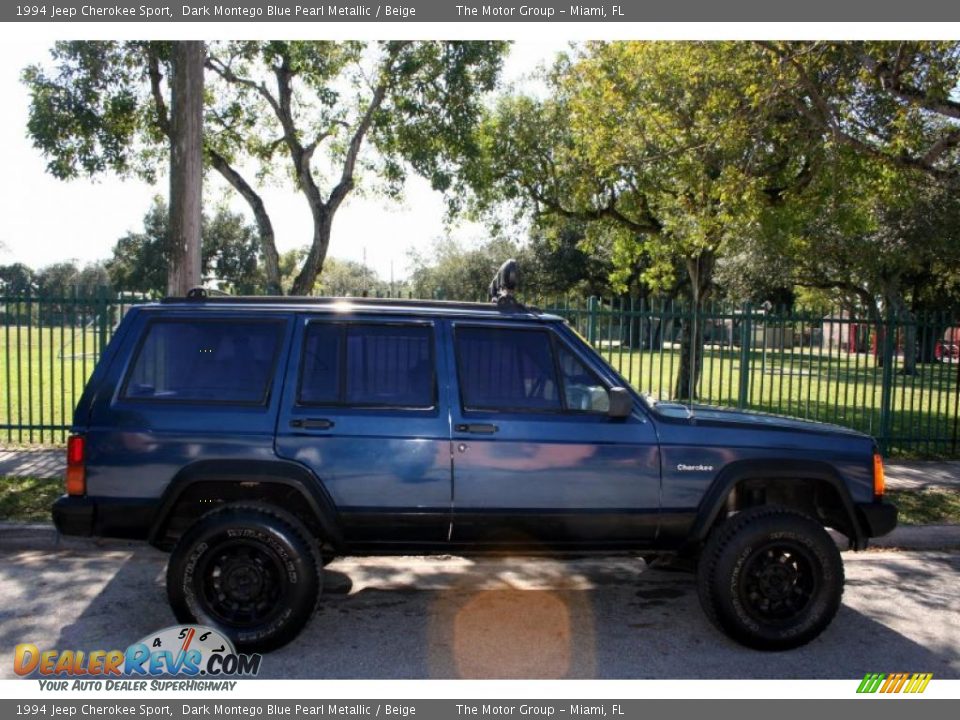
[505,618]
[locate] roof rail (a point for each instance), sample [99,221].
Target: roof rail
[203,295]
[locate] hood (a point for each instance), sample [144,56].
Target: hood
[707,415]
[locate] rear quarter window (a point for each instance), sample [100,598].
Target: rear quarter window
[205,361]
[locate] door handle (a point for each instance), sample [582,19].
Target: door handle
[477,428]
[312,423]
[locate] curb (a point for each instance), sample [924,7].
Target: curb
[44,536]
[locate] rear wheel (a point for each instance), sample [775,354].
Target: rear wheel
[252,572]
[770,578]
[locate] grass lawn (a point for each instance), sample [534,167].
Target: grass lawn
[927,507]
[42,374]
[29,500]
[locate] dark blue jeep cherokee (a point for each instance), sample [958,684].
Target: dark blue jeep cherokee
[257,438]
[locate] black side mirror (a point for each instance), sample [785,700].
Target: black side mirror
[621,403]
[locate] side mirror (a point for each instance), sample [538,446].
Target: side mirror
[621,403]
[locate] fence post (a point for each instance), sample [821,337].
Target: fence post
[103,319]
[592,320]
[886,390]
[746,333]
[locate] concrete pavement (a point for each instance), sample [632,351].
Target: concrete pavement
[449,617]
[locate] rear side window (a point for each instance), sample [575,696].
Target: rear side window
[228,361]
[506,369]
[367,364]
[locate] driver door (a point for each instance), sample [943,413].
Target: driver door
[536,459]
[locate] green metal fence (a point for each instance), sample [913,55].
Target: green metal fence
[840,367]
[49,345]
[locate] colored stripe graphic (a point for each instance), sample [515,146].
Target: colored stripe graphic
[894,683]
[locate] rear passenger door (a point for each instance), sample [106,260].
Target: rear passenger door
[537,460]
[363,408]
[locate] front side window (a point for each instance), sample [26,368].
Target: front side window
[229,361]
[368,365]
[506,369]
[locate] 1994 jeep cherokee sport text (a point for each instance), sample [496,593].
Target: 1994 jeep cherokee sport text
[257,438]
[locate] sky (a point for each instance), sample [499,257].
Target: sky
[45,220]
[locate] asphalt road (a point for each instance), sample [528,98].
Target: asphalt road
[415,617]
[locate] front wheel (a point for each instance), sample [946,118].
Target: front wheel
[770,578]
[251,572]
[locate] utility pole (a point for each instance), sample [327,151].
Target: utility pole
[186,166]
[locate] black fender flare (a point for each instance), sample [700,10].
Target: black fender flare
[275,472]
[787,468]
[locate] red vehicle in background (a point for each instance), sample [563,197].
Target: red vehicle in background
[948,348]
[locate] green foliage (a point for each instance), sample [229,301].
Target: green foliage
[454,271]
[560,259]
[892,101]
[93,112]
[17,279]
[301,110]
[229,253]
[677,148]
[341,278]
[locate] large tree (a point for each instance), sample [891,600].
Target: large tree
[305,111]
[675,150]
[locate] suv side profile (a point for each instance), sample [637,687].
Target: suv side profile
[258,438]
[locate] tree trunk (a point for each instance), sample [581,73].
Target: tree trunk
[700,271]
[312,265]
[186,167]
[268,245]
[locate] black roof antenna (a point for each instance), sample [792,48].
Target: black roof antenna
[202,293]
[504,284]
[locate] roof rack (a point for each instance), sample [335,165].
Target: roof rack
[202,295]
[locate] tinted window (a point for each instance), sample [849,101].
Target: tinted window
[506,369]
[367,364]
[320,375]
[205,361]
[582,389]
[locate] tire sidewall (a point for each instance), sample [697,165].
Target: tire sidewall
[730,564]
[297,558]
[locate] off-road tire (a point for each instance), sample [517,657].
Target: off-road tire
[770,578]
[251,571]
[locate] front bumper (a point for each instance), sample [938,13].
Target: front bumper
[104,517]
[877,518]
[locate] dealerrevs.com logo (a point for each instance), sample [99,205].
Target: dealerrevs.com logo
[179,651]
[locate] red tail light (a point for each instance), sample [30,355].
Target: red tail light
[76,480]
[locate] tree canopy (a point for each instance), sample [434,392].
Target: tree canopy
[303,110]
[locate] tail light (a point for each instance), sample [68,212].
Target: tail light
[879,484]
[76,480]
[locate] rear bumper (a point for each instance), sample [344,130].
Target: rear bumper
[877,519]
[104,517]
